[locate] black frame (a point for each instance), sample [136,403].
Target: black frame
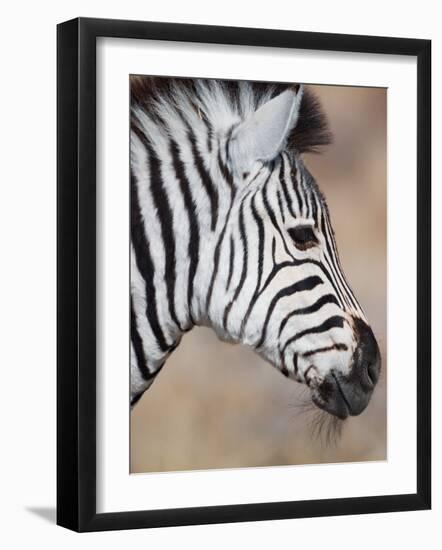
[76,273]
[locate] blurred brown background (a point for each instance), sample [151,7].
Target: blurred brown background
[220,406]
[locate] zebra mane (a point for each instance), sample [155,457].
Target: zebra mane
[218,104]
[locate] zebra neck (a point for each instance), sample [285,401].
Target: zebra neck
[181,196]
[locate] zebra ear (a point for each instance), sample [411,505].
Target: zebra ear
[263,135]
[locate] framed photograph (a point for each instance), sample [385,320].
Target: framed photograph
[243,274]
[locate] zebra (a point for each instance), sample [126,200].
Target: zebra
[230,230]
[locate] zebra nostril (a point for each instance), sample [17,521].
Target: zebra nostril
[373,372]
[367,364]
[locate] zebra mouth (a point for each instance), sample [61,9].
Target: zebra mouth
[341,396]
[342,393]
[330,397]
[342,412]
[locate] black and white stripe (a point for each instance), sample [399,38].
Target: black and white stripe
[210,227]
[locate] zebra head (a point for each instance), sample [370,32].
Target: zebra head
[280,286]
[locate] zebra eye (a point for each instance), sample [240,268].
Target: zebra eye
[303,236]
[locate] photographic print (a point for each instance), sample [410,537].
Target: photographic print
[257,274]
[229,346]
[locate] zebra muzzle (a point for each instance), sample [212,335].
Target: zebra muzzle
[348,395]
[338,398]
